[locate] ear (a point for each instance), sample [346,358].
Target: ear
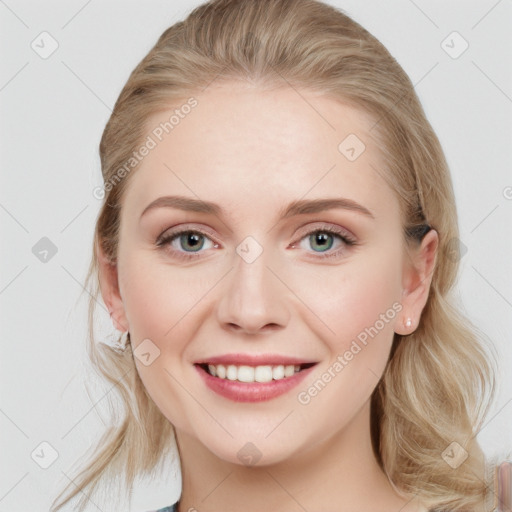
[109,286]
[418,268]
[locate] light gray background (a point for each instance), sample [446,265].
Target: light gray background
[53,114]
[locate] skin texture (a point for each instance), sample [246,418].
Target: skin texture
[252,152]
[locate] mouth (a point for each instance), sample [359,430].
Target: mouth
[248,374]
[243,378]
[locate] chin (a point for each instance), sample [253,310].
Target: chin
[253,452]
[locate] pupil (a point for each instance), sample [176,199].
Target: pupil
[192,238]
[322,237]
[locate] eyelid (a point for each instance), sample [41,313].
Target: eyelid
[322,225]
[187,227]
[301,232]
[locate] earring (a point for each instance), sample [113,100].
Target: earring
[123,341]
[408,323]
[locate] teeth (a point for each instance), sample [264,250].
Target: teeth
[244,373]
[278,372]
[231,372]
[289,370]
[220,371]
[252,373]
[263,373]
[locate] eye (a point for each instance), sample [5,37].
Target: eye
[187,244]
[185,239]
[322,238]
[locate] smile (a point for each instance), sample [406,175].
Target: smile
[252,382]
[243,373]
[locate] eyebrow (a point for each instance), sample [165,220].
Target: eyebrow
[299,207]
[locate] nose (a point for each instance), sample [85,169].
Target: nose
[254,299]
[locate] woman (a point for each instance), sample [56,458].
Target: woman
[278,243]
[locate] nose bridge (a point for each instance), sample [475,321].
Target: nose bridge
[254,297]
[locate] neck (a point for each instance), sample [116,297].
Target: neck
[338,473]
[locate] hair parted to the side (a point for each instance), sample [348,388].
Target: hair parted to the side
[440,381]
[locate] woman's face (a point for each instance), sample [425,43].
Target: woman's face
[269,277]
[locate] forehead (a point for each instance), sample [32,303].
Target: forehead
[242,145]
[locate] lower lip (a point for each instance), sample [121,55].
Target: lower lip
[252,391]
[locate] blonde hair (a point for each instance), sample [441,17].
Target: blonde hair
[439,381]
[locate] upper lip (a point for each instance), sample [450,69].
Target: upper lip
[255,360]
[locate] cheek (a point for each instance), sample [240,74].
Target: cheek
[160,300]
[162,305]
[166,305]
[360,304]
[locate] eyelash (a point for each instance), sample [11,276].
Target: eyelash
[341,234]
